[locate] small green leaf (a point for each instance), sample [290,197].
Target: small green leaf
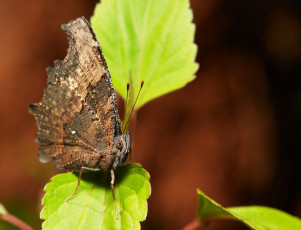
[2,210]
[255,217]
[260,217]
[92,207]
[151,40]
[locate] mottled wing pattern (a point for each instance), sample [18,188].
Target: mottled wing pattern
[77,117]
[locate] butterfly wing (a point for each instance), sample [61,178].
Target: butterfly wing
[77,117]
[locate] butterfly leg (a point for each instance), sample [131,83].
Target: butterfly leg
[113,192]
[78,183]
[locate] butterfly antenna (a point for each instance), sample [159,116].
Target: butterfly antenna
[142,83]
[125,103]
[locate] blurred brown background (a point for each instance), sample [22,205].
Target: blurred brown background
[234,132]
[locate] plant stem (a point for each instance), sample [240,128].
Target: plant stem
[192,225]
[15,221]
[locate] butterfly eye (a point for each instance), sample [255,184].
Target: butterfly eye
[119,144]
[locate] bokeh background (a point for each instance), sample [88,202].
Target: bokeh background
[234,132]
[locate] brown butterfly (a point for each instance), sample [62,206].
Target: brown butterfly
[78,122]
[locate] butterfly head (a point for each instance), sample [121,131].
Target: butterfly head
[122,148]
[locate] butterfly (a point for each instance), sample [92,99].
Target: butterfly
[77,118]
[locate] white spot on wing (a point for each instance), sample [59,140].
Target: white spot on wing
[73,84]
[95,43]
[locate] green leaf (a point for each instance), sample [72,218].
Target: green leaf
[260,217]
[92,207]
[255,217]
[151,40]
[2,210]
